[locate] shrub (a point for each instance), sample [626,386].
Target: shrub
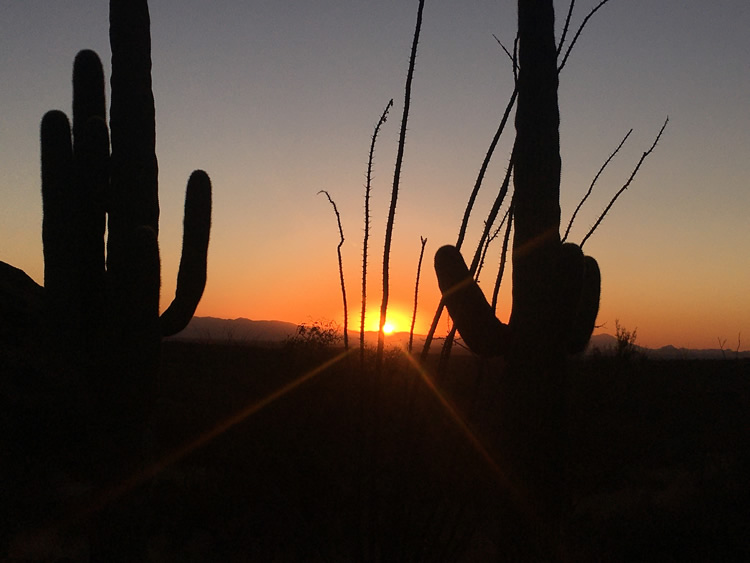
[318,335]
[626,348]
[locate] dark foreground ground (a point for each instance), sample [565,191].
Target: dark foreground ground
[342,467]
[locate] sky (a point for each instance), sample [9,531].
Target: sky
[278,100]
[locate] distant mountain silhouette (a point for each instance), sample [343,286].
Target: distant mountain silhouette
[248,331]
[243,330]
[606,342]
[239,330]
[602,341]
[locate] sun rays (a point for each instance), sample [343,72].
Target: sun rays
[118,490]
[468,433]
[172,457]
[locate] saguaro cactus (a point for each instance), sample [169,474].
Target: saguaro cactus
[555,289]
[104,311]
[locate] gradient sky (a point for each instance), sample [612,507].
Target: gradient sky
[278,100]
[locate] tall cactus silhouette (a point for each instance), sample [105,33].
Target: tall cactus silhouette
[555,293]
[102,269]
[555,287]
[103,308]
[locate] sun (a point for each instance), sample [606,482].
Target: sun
[396,321]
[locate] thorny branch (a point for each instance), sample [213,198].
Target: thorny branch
[627,184]
[591,187]
[503,259]
[394,191]
[566,27]
[578,33]
[341,267]
[368,185]
[416,292]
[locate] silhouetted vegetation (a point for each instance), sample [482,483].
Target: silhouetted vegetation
[555,286]
[366,236]
[103,312]
[318,335]
[102,330]
[341,267]
[397,182]
[108,312]
[625,349]
[416,292]
[555,292]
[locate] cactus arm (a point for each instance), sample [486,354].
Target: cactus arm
[191,278]
[88,93]
[577,277]
[469,309]
[59,239]
[57,204]
[588,307]
[91,156]
[92,173]
[91,149]
[568,272]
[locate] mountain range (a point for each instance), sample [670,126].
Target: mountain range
[266,332]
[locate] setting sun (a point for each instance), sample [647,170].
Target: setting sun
[396,321]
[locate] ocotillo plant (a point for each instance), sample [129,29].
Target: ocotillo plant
[108,307]
[555,292]
[416,293]
[394,190]
[366,237]
[341,267]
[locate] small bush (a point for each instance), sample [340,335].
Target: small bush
[318,335]
[626,349]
